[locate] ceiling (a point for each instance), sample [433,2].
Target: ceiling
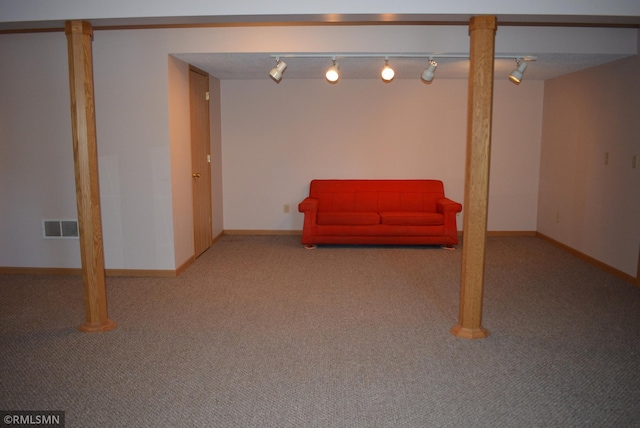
[255,66]
[552,59]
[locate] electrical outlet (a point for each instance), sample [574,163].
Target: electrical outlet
[285,208]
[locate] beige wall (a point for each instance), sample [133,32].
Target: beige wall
[215,111]
[180,143]
[584,203]
[278,137]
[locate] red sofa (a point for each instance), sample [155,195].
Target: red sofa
[401,212]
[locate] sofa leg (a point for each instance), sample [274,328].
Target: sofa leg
[310,246]
[449,247]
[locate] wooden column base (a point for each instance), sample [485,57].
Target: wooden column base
[469,333]
[97,327]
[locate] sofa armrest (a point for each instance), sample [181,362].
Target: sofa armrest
[445,205]
[449,208]
[308,205]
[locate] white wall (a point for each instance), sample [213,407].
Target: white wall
[132,121]
[277,137]
[215,111]
[420,127]
[515,156]
[586,204]
[36,156]
[36,151]
[181,181]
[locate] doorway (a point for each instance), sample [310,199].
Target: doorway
[200,159]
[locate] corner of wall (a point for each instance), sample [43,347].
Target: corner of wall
[180,149]
[215,108]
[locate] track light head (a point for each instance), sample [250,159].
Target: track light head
[516,75]
[387,72]
[333,73]
[429,73]
[276,72]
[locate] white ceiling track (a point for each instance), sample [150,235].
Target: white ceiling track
[394,55]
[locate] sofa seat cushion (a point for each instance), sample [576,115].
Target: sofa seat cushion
[348,218]
[411,218]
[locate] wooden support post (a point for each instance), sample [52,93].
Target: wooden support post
[482,30]
[638,274]
[85,155]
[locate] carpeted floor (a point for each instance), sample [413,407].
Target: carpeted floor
[260,332]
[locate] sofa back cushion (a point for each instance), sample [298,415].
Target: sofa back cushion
[376,195]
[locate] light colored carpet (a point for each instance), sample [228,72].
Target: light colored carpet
[260,332]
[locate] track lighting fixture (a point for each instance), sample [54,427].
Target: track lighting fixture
[333,74]
[387,72]
[276,72]
[429,73]
[516,75]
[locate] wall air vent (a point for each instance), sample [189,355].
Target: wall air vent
[60,228]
